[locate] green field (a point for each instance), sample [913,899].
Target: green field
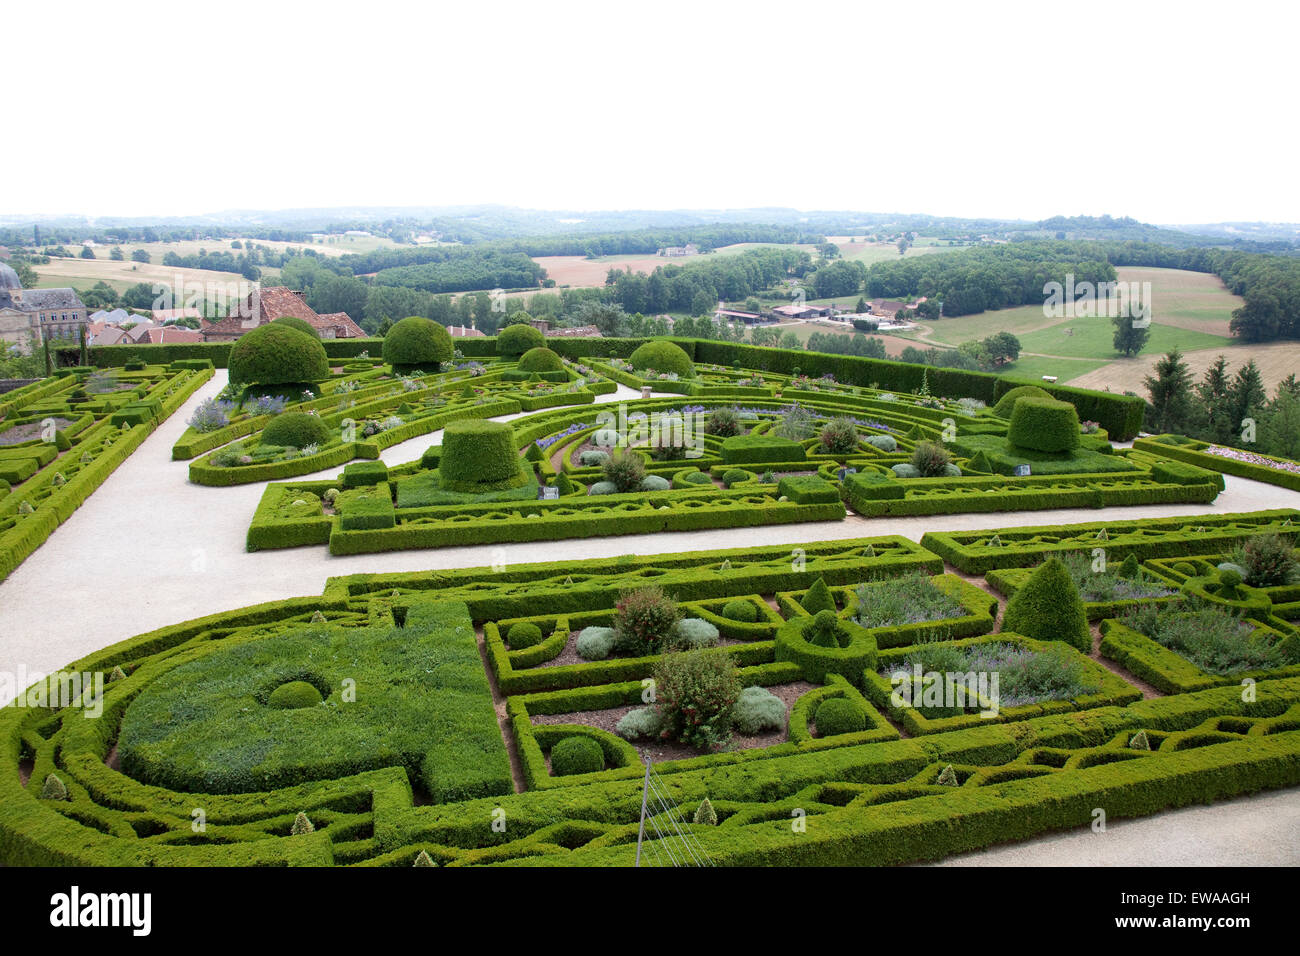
[1093,339]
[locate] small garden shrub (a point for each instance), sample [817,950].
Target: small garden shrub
[1269,560]
[723,422]
[640,723]
[595,643]
[839,437]
[796,424]
[696,692]
[416,341]
[625,470]
[705,815]
[576,754]
[744,611]
[1215,640]
[603,488]
[930,459]
[1044,424]
[644,619]
[540,359]
[694,632]
[885,443]
[515,340]
[826,630]
[1049,608]
[523,635]
[1024,676]
[655,483]
[662,356]
[758,710]
[591,457]
[293,695]
[839,715]
[1101,587]
[296,430]
[734,476]
[818,598]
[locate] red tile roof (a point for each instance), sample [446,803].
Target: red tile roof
[264,305]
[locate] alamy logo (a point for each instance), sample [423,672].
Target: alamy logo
[1086,299]
[672,429]
[74,908]
[56,691]
[946,689]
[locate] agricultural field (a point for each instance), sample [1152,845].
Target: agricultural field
[84,273]
[791,681]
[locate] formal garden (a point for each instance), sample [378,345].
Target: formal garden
[857,698]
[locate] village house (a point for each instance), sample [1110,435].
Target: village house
[263,305]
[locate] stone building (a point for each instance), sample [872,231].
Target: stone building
[44,313]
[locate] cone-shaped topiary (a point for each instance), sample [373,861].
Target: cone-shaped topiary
[1140,741]
[301,825]
[61,441]
[479,452]
[705,815]
[540,359]
[276,354]
[1130,567]
[516,339]
[818,598]
[948,777]
[979,462]
[25,507]
[423,859]
[116,674]
[564,484]
[317,617]
[662,356]
[533,453]
[54,789]
[1048,608]
[416,341]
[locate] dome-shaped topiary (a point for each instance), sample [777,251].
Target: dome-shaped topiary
[1048,608]
[839,715]
[296,430]
[524,634]
[1044,424]
[540,359]
[662,356]
[477,452]
[277,354]
[517,339]
[576,755]
[417,341]
[737,610]
[302,325]
[294,695]
[1008,401]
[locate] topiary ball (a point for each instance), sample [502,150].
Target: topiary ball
[417,341]
[523,635]
[295,430]
[478,451]
[540,359]
[302,325]
[694,632]
[277,354]
[576,755]
[595,643]
[603,488]
[1044,424]
[293,695]
[838,715]
[743,611]
[662,356]
[517,339]
[655,483]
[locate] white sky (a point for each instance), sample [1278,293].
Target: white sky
[1177,112]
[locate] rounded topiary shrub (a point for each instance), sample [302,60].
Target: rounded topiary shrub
[302,325]
[595,643]
[294,694]
[417,341]
[662,356]
[540,359]
[655,483]
[758,710]
[1008,401]
[693,632]
[744,611]
[296,430]
[1044,424]
[517,339]
[523,635]
[476,451]
[838,715]
[576,755]
[277,354]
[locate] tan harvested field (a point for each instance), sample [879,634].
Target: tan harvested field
[84,273]
[334,246]
[1276,361]
[579,272]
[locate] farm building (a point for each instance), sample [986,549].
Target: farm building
[264,305]
[690,249]
[464,332]
[735,315]
[801,311]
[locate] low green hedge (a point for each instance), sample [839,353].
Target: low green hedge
[1195,455]
[759,449]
